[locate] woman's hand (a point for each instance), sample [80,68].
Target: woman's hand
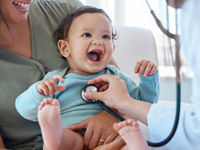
[99,129]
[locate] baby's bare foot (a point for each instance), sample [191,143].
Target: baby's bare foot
[50,123]
[130,131]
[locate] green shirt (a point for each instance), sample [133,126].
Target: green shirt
[17,73]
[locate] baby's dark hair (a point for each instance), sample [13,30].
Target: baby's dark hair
[63,29]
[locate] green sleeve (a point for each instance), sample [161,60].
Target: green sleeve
[44,17]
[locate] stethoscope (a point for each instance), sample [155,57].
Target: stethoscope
[94,88]
[177,64]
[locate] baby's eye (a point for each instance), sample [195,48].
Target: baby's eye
[86,35]
[107,37]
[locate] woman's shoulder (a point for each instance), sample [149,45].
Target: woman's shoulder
[54,7]
[49,13]
[44,18]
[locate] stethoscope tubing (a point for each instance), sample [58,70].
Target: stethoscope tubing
[178,84]
[110,111]
[177,116]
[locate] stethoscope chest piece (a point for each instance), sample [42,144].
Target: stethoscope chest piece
[89,88]
[94,88]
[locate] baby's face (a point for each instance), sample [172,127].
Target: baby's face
[90,44]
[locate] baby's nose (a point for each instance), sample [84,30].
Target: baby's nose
[97,42]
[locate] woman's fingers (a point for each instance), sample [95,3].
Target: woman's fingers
[88,136]
[95,138]
[78,126]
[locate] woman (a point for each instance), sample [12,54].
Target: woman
[27,52]
[159,118]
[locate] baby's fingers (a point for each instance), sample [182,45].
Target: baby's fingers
[53,87]
[56,87]
[137,67]
[58,77]
[50,87]
[43,89]
[150,69]
[143,67]
[153,70]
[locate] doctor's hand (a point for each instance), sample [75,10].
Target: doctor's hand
[115,93]
[145,68]
[116,96]
[49,86]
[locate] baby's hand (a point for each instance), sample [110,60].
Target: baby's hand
[49,86]
[145,68]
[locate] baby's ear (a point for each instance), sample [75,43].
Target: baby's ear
[63,48]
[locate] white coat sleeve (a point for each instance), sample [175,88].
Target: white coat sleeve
[161,120]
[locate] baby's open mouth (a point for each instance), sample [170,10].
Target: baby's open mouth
[95,55]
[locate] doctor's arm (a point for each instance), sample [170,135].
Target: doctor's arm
[160,118]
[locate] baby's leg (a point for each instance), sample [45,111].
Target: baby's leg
[130,131]
[56,137]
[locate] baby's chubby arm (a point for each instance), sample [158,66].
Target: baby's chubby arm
[27,103]
[49,86]
[149,81]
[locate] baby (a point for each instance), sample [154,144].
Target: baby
[85,38]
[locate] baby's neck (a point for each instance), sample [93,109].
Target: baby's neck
[69,70]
